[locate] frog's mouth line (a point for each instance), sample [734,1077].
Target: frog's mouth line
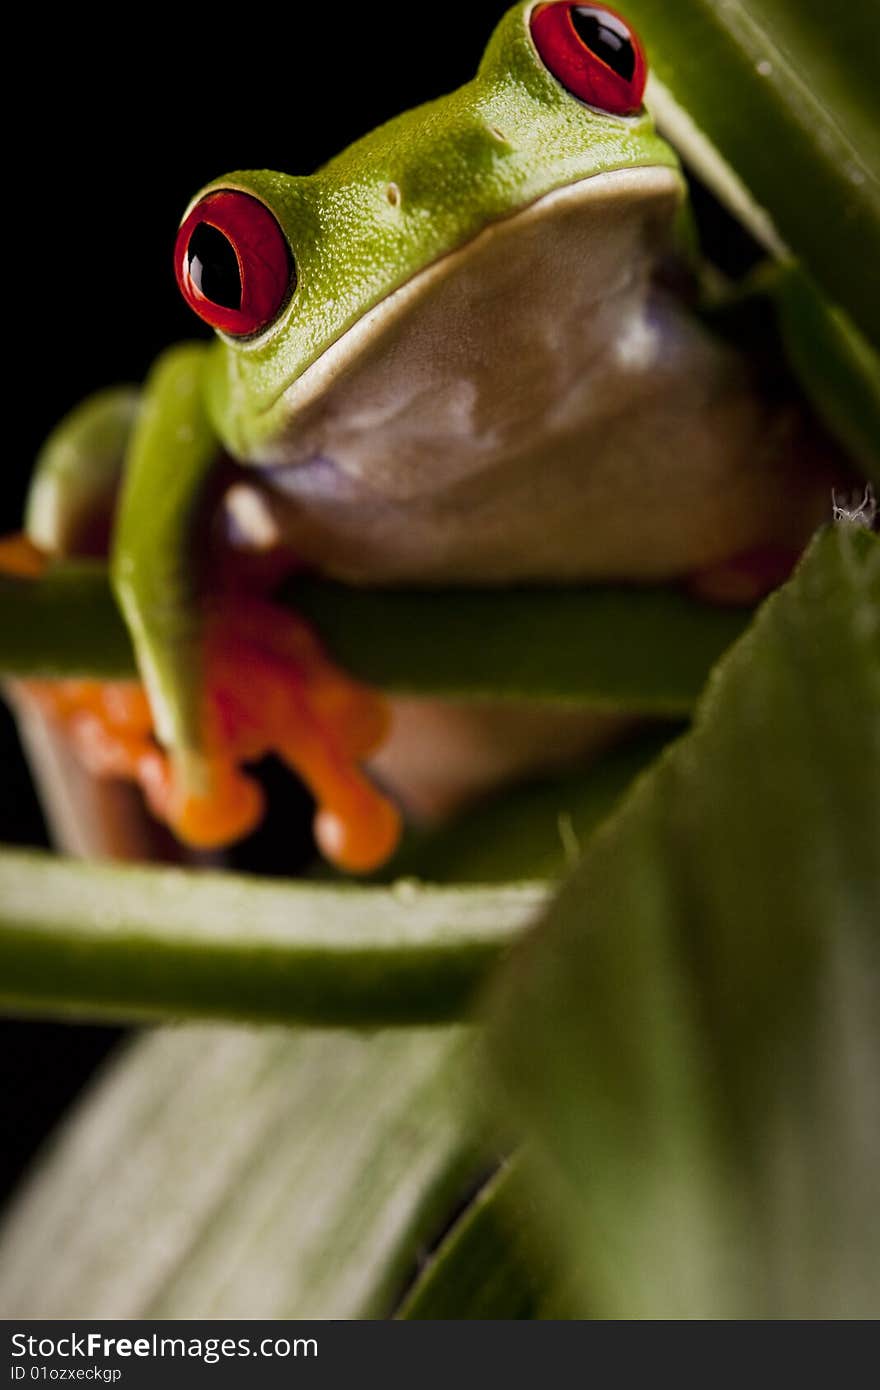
[648,184]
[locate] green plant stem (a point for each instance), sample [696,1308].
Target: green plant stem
[99,941]
[644,650]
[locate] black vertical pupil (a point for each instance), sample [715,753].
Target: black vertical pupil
[213,266]
[606,36]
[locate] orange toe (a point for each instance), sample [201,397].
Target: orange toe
[358,840]
[273,689]
[20,557]
[231,808]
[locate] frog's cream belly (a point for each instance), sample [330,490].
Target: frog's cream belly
[442,755]
[535,410]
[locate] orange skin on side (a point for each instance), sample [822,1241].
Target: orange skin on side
[21,558]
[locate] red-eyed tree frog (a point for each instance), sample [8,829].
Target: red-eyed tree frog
[447,357]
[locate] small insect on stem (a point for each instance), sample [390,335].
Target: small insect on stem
[848,511]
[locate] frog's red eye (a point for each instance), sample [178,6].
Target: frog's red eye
[593,53]
[232,263]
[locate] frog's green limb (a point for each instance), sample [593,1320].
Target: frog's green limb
[170,464]
[77,475]
[835,364]
[280,691]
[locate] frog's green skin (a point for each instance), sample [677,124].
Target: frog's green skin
[475,379]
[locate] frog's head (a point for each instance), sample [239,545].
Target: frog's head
[283,267]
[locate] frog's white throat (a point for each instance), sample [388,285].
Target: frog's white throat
[506,413]
[551,264]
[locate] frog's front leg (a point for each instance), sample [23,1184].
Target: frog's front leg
[229,675]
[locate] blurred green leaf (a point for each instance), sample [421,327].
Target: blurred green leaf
[229,1173]
[484,1267]
[93,941]
[692,1039]
[647,650]
[786,93]
[836,366]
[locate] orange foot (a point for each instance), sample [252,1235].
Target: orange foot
[21,558]
[270,688]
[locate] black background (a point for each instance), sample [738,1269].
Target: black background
[116,123]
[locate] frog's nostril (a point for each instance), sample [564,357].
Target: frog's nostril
[392,193]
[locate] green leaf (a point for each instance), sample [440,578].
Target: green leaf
[647,650]
[483,1268]
[692,1039]
[783,95]
[96,941]
[228,1173]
